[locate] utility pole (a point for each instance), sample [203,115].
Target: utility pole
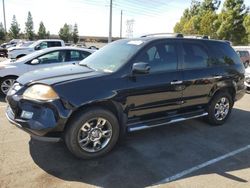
[121,26]
[4,19]
[110,22]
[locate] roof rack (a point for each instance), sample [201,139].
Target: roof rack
[177,35]
[197,36]
[164,34]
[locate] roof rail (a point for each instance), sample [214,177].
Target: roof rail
[166,34]
[197,36]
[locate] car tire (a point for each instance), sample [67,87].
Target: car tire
[219,109]
[85,139]
[4,82]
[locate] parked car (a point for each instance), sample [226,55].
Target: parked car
[128,85]
[11,43]
[247,80]
[244,56]
[10,70]
[18,52]
[3,52]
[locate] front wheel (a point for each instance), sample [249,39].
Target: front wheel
[92,133]
[5,85]
[219,108]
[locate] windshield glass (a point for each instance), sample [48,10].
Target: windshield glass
[111,57]
[29,56]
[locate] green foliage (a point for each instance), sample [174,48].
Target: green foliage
[2,32]
[231,19]
[14,28]
[246,24]
[65,33]
[29,27]
[75,35]
[42,33]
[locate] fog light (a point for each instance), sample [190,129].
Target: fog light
[26,114]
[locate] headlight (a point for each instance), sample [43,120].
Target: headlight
[40,92]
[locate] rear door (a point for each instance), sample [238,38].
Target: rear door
[199,72]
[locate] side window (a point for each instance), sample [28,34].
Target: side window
[78,55]
[41,46]
[52,57]
[222,54]
[195,56]
[160,57]
[54,43]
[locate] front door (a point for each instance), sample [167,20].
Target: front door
[161,89]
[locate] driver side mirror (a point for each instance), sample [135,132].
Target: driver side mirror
[34,62]
[37,48]
[140,68]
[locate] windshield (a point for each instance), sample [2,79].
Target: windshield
[111,57]
[29,56]
[25,44]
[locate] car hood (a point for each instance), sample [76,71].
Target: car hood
[57,74]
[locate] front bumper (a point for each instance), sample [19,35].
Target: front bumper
[48,120]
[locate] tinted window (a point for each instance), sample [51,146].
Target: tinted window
[160,57]
[54,43]
[195,56]
[222,54]
[53,57]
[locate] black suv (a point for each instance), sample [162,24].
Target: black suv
[128,85]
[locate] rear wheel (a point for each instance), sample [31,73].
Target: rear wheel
[220,108]
[92,133]
[5,84]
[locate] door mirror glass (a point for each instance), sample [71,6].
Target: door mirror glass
[34,62]
[140,68]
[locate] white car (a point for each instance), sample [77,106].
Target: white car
[10,70]
[17,52]
[247,79]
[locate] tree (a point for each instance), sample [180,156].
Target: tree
[42,33]
[75,35]
[209,24]
[65,33]
[29,27]
[231,22]
[246,24]
[2,32]
[14,28]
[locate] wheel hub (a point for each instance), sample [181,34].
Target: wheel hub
[95,135]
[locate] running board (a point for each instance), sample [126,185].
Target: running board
[147,125]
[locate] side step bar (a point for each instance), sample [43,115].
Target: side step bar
[145,125]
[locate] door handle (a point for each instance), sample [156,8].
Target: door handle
[176,82]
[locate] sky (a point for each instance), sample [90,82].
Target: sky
[92,16]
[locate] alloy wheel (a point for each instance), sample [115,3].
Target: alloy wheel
[95,134]
[222,108]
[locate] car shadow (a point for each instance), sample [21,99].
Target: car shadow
[146,157]
[2,99]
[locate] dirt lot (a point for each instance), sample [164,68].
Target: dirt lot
[191,154]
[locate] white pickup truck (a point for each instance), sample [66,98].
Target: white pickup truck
[17,52]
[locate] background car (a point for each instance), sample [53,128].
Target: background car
[10,70]
[3,52]
[18,52]
[247,79]
[244,56]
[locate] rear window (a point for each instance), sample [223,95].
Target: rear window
[54,43]
[222,54]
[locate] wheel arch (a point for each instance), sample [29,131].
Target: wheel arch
[110,105]
[230,88]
